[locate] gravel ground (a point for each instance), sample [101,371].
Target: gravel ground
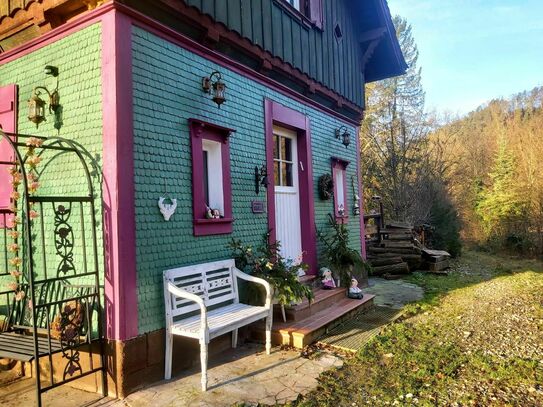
[475,340]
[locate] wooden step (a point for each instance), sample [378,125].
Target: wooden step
[303,332]
[387,261]
[322,300]
[396,232]
[393,250]
[397,244]
[399,238]
[400,268]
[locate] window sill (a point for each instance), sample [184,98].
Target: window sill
[209,227]
[297,15]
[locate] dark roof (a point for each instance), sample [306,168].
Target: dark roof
[386,59]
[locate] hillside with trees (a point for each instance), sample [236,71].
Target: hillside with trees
[494,166]
[476,179]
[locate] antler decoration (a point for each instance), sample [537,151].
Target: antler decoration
[167,210]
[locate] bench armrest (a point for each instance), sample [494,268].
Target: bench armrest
[244,276]
[179,292]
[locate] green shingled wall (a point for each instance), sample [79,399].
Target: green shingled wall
[166,93]
[78,58]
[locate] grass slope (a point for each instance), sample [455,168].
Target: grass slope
[476,339]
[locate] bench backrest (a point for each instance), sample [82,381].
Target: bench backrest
[213,282]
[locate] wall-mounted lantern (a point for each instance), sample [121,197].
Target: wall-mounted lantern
[343,134]
[214,85]
[36,105]
[261,178]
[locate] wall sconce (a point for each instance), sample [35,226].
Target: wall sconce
[36,105]
[215,87]
[343,134]
[261,178]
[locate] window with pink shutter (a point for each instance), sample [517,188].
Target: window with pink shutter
[8,122]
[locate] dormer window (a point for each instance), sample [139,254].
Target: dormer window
[297,4]
[308,12]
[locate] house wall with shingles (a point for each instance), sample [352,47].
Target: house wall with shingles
[77,57]
[167,92]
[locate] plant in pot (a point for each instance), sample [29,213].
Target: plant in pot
[265,261]
[345,262]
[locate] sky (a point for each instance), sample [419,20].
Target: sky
[472,51]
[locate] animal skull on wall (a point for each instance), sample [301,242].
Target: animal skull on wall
[167,210]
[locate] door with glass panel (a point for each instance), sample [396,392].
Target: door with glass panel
[287,193]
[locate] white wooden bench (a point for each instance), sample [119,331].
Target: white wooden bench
[202,302]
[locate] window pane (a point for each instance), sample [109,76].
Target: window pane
[214,178]
[276,147]
[283,148]
[288,150]
[289,179]
[276,173]
[206,178]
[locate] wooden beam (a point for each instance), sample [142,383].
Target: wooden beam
[372,35]
[369,53]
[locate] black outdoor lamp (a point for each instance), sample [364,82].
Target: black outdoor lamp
[261,178]
[36,105]
[343,134]
[214,84]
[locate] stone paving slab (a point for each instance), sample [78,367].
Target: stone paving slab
[393,293]
[245,374]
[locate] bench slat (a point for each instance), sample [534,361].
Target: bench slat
[219,318]
[21,347]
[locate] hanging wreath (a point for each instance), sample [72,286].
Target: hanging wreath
[326,187]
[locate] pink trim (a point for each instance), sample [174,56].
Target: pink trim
[8,123]
[361,195]
[82,21]
[275,113]
[200,130]
[164,32]
[118,183]
[339,164]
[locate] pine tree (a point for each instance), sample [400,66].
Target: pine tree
[393,131]
[501,206]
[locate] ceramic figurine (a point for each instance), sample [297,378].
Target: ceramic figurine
[216,214]
[209,213]
[327,280]
[354,291]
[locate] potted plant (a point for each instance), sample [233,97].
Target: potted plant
[266,261]
[339,257]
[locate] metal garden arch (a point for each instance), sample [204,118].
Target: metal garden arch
[56,323]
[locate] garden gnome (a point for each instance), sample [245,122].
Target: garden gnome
[354,291]
[327,281]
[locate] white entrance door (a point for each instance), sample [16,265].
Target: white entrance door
[287,193]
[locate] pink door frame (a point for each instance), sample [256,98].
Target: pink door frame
[277,114]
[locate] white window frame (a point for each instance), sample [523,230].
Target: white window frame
[290,134]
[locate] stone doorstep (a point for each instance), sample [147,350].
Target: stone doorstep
[304,332]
